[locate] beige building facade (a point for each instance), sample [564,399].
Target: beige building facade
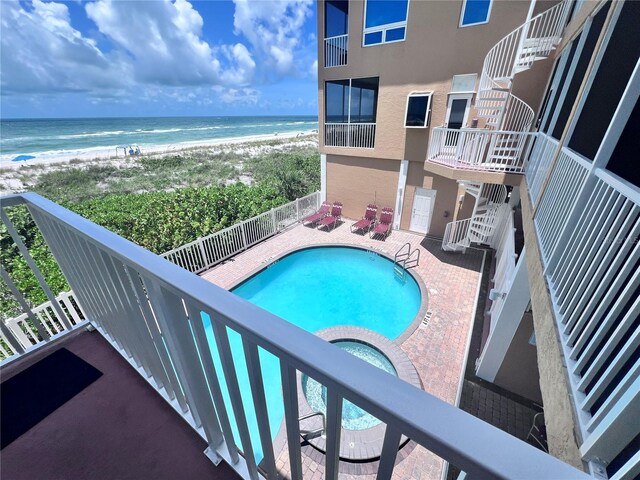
[436,49]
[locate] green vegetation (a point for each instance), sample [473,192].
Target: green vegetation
[197,168]
[150,204]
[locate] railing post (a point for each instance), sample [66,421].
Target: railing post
[297,209]
[244,236]
[34,268]
[273,220]
[203,252]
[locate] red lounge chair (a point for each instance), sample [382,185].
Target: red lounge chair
[368,221]
[334,218]
[383,227]
[322,212]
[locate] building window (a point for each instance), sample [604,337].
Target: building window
[336,18]
[609,84]
[464,83]
[385,21]
[579,73]
[475,12]
[350,112]
[351,101]
[567,58]
[418,108]
[623,161]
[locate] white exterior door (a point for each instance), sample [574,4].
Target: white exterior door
[423,202]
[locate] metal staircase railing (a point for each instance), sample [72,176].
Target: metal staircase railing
[533,40]
[480,227]
[503,112]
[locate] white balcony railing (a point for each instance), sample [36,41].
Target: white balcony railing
[354,135]
[588,227]
[335,51]
[559,198]
[479,149]
[44,322]
[157,314]
[537,169]
[205,252]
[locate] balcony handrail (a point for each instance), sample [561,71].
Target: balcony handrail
[344,35]
[336,50]
[476,447]
[480,149]
[48,319]
[485,131]
[349,134]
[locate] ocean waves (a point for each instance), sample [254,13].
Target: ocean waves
[54,137]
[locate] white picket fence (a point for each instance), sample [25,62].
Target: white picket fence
[205,252]
[39,324]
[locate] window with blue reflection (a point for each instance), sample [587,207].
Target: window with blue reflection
[336,18]
[373,38]
[384,12]
[394,34]
[337,101]
[351,101]
[475,12]
[385,21]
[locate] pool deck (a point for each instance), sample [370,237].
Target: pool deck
[437,349]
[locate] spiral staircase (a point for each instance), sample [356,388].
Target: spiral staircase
[499,146]
[487,213]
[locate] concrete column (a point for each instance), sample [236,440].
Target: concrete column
[504,327]
[323,177]
[514,200]
[402,185]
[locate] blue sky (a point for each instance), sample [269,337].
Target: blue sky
[158,57]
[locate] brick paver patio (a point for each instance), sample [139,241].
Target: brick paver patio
[437,349]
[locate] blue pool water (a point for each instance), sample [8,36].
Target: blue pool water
[315,289]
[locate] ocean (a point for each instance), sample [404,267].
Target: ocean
[55,138]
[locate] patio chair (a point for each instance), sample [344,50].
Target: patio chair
[383,227]
[322,212]
[368,221]
[333,219]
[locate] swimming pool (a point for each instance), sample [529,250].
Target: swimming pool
[317,288]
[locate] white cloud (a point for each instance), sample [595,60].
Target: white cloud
[164,39]
[42,52]
[242,66]
[154,43]
[274,29]
[313,70]
[152,53]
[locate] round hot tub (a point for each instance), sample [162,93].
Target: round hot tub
[353,417]
[361,434]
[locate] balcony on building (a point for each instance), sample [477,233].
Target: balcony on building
[350,112]
[336,32]
[169,390]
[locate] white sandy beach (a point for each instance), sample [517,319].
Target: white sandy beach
[100,153]
[12,171]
